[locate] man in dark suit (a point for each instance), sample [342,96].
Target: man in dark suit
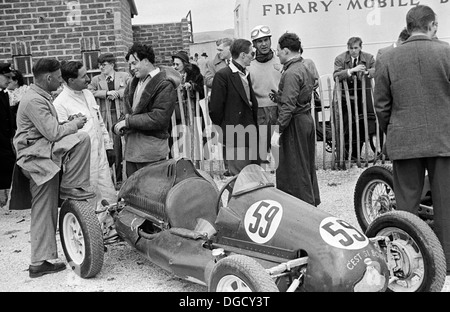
[234,108]
[412,101]
[347,65]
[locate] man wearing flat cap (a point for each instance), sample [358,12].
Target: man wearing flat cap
[108,89]
[7,126]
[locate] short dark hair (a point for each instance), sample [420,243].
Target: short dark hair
[404,35]
[17,76]
[239,46]
[418,18]
[45,66]
[70,70]
[107,57]
[143,51]
[354,40]
[290,41]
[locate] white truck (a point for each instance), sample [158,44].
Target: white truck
[325,26]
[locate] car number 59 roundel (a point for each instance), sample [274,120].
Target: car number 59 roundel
[340,234]
[262,220]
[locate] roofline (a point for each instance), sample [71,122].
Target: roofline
[133,8]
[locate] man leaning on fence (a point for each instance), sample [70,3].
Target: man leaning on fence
[354,63]
[412,100]
[150,100]
[108,89]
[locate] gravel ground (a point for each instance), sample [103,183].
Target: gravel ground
[124,269]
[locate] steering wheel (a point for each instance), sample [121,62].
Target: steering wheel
[229,185]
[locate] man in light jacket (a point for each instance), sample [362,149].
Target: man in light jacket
[43,145]
[77,99]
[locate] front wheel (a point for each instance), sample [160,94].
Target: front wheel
[374,194]
[238,273]
[413,253]
[81,237]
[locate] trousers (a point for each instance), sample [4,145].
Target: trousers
[45,199]
[409,176]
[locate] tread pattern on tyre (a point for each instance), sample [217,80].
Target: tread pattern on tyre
[432,245]
[93,236]
[376,172]
[251,269]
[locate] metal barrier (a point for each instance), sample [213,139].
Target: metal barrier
[362,125]
[194,135]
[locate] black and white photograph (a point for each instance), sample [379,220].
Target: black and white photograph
[191,147]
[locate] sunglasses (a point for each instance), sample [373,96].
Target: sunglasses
[265,30]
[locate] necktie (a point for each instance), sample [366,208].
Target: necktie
[355,62]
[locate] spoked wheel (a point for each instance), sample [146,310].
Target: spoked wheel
[414,254]
[239,273]
[374,194]
[81,237]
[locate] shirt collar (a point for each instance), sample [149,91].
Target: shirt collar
[42,92]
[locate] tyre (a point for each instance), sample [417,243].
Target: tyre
[415,254]
[81,237]
[374,194]
[239,273]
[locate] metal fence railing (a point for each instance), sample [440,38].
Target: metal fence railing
[194,135]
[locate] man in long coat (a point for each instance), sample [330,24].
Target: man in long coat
[296,172]
[77,99]
[412,100]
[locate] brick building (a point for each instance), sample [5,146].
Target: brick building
[81,30]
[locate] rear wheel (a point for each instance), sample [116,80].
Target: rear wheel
[81,237]
[374,194]
[414,254]
[239,273]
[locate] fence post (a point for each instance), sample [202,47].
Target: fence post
[333,130]
[366,120]
[341,125]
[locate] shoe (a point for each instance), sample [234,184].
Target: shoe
[46,268]
[75,193]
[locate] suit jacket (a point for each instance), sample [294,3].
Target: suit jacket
[99,87]
[412,98]
[229,103]
[342,64]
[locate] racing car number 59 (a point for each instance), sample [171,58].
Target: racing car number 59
[262,220]
[340,234]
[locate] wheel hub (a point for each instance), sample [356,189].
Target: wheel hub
[232,283]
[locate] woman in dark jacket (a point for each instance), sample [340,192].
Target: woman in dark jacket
[192,77]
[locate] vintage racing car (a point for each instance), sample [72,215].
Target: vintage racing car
[374,195]
[250,236]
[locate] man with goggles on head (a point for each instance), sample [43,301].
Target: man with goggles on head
[265,71]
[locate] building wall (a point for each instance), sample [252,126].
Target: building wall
[63,29]
[166,39]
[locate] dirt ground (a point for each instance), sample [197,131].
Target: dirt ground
[124,269]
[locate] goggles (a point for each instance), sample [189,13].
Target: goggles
[260,31]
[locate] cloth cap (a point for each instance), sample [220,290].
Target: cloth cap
[183,56]
[260,31]
[5,69]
